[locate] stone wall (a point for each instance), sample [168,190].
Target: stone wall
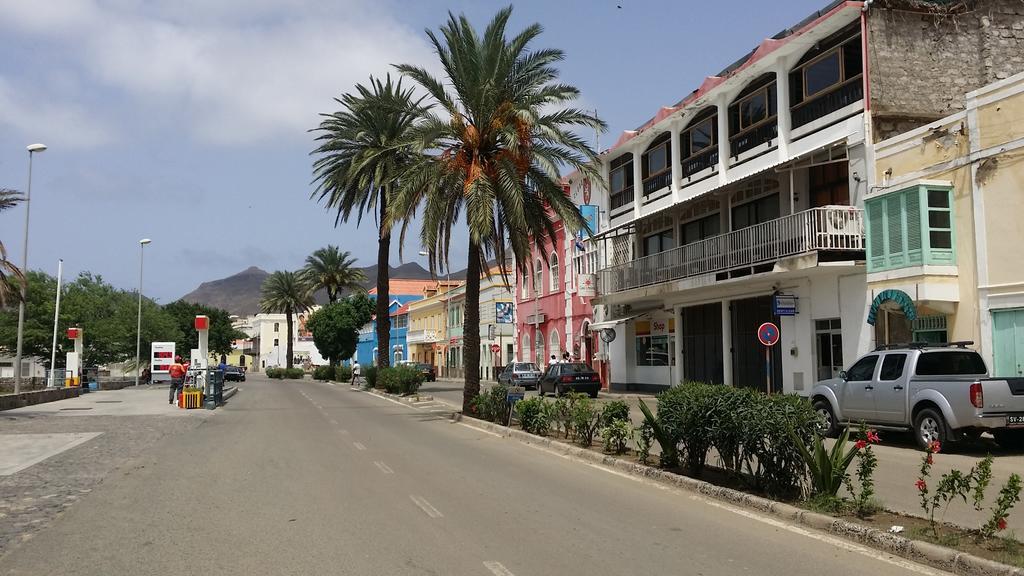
[925,56]
[9,401]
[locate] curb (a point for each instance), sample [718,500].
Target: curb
[415,399]
[231,392]
[927,553]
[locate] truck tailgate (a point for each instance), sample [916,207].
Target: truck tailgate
[1003,396]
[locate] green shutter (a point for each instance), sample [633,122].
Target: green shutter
[895,228]
[898,231]
[912,199]
[876,234]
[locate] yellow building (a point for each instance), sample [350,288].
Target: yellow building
[426,335]
[944,258]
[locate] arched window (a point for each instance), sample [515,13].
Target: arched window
[538,278]
[524,348]
[554,346]
[524,290]
[398,356]
[538,350]
[553,272]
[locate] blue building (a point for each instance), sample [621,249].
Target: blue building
[401,293]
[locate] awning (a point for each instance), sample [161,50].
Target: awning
[904,301]
[595,326]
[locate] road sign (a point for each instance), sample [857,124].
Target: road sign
[784,305]
[495,348]
[515,394]
[768,334]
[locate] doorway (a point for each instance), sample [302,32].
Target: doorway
[748,356]
[702,343]
[1008,343]
[828,336]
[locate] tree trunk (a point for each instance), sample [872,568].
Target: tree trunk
[471,329]
[288,326]
[383,288]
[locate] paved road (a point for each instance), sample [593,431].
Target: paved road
[312,478]
[898,464]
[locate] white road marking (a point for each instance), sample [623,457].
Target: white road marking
[359,446]
[498,569]
[426,506]
[475,429]
[383,467]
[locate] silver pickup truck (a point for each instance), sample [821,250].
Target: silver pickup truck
[940,393]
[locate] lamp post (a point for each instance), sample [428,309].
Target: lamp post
[56,315]
[138,330]
[32,149]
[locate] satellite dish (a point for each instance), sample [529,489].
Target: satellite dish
[607,335]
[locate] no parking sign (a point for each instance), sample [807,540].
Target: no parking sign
[768,334]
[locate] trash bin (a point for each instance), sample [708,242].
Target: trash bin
[215,388]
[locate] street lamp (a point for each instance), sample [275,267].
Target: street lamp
[32,149]
[138,330]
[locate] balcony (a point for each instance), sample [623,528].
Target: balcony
[838,229]
[700,161]
[754,137]
[656,182]
[622,198]
[840,97]
[421,336]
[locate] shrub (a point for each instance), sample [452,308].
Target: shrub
[492,405]
[644,439]
[294,373]
[614,410]
[342,374]
[864,503]
[669,457]
[827,468]
[402,379]
[585,421]
[562,410]
[371,376]
[276,373]
[323,373]
[616,436]
[534,416]
[684,412]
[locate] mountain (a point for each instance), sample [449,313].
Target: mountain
[240,294]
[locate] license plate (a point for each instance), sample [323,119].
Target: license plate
[1015,420]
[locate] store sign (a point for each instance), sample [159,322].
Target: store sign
[590,218]
[784,305]
[588,285]
[659,327]
[503,312]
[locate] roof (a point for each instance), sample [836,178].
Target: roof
[403,310]
[766,47]
[403,287]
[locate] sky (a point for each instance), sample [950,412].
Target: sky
[187,121]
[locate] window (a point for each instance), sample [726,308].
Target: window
[656,159]
[658,242]
[277,327]
[863,370]
[538,278]
[554,346]
[830,184]
[829,336]
[950,363]
[276,343]
[524,288]
[525,346]
[620,181]
[758,211]
[553,272]
[538,348]
[703,135]
[621,178]
[697,230]
[899,235]
[655,342]
[823,73]
[756,108]
[401,321]
[892,367]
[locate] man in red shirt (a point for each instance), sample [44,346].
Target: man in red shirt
[177,373]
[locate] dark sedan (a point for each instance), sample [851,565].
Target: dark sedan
[429,372]
[234,374]
[570,377]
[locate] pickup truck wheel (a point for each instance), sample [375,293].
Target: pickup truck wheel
[929,426]
[830,427]
[1009,439]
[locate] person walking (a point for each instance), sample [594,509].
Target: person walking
[356,371]
[177,373]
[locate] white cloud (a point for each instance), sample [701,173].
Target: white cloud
[237,71]
[39,116]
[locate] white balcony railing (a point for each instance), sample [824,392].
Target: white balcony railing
[421,336]
[831,228]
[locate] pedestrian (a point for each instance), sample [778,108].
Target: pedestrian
[177,372]
[553,360]
[565,357]
[355,372]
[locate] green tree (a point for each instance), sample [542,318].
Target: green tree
[333,271]
[335,327]
[364,147]
[494,155]
[10,276]
[221,336]
[285,293]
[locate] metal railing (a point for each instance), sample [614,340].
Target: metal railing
[654,183]
[831,228]
[622,198]
[700,161]
[418,336]
[820,106]
[753,138]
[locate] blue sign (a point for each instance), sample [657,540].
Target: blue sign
[589,213]
[768,334]
[784,305]
[515,394]
[503,312]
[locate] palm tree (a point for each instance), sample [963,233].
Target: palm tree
[11,277]
[285,293]
[333,271]
[363,149]
[494,156]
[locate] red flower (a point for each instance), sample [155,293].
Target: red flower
[921,485]
[1001,524]
[873,437]
[934,447]
[860,445]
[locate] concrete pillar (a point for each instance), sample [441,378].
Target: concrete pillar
[726,344]
[677,313]
[638,185]
[723,139]
[675,159]
[73,360]
[782,106]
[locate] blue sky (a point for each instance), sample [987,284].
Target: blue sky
[185,121]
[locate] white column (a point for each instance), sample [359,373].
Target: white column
[677,167]
[782,106]
[677,313]
[638,185]
[726,344]
[723,139]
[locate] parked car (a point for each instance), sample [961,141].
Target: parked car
[234,374]
[429,372]
[941,393]
[520,374]
[570,377]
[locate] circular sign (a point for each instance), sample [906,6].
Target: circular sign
[495,348]
[607,335]
[768,334]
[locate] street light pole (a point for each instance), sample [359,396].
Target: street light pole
[32,149]
[138,330]
[56,315]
